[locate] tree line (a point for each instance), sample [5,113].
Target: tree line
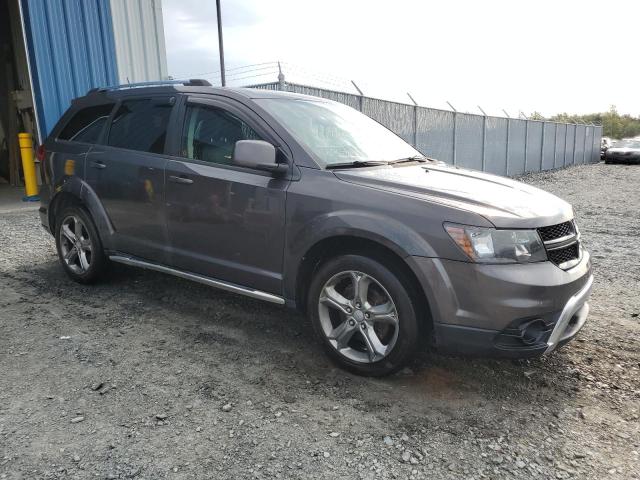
[613,124]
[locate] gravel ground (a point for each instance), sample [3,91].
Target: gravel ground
[149,376]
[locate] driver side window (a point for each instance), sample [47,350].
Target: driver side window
[210,134]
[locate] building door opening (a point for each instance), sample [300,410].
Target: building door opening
[16,105]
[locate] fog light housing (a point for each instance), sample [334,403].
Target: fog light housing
[525,333]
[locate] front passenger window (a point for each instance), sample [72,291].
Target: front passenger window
[210,134]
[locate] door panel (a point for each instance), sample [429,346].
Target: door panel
[130,186]
[226,223]
[127,174]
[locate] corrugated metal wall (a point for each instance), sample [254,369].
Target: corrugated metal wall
[139,39]
[75,45]
[71,49]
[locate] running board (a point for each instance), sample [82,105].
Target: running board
[229,287]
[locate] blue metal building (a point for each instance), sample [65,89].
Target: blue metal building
[71,49]
[56,50]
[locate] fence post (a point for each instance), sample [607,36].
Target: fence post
[566,134]
[544,124]
[415,121]
[455,137]
[359,92]
[575,143]
[526,144]
[455,127]
[555,143]
[584,148]
[415,127]
[484,139]
[506,162]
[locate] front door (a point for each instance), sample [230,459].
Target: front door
[127,174]
[224,221]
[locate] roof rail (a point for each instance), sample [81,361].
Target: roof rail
[193,82]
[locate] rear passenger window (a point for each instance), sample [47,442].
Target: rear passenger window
[141,125]
[86,125]
[210,134]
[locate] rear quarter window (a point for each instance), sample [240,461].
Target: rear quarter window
[86,125]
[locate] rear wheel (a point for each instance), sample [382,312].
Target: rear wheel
[364,315]
[79,246]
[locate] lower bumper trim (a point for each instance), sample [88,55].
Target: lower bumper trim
[478,342]
[573,316]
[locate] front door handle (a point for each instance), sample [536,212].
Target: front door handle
[99,165]
[183,180]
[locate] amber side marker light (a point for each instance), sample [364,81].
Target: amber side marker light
[460,236]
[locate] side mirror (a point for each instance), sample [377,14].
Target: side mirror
[257,154]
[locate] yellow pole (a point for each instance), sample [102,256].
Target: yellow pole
[28,167]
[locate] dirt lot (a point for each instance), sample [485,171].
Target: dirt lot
[149,376]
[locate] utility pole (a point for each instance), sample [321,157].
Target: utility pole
[220,45]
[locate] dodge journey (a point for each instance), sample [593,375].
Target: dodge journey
[308,203]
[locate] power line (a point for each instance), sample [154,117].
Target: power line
[253,76]
[270,67]
[243,74]
[215,72]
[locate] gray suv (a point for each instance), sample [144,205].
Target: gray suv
[308,203]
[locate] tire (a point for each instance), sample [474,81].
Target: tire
[348,327]
[88,266]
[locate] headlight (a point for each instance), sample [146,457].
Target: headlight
[490,245]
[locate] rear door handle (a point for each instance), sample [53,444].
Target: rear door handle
[99,165]
[183,180]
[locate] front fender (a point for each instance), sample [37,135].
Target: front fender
[382,229]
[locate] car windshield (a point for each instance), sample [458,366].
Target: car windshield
[628,144]
[336,133]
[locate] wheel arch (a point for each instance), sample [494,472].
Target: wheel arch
[337,245]
[74,191]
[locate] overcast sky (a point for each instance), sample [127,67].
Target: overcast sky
[550,56]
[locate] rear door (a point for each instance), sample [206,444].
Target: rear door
[224,221]
[127,174]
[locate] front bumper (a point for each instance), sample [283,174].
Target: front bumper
[613,157]
[513,311]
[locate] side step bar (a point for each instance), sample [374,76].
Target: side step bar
[229,287]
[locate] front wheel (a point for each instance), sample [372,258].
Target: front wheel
[364,315]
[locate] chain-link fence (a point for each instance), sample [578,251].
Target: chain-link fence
[504,146]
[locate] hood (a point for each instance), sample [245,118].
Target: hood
[505,203]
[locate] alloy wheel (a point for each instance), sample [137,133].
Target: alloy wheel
[75,244]
[358,316]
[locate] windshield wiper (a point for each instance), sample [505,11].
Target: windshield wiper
[356,164]
[415,158]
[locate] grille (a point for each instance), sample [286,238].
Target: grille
[556,231]
[564,254]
